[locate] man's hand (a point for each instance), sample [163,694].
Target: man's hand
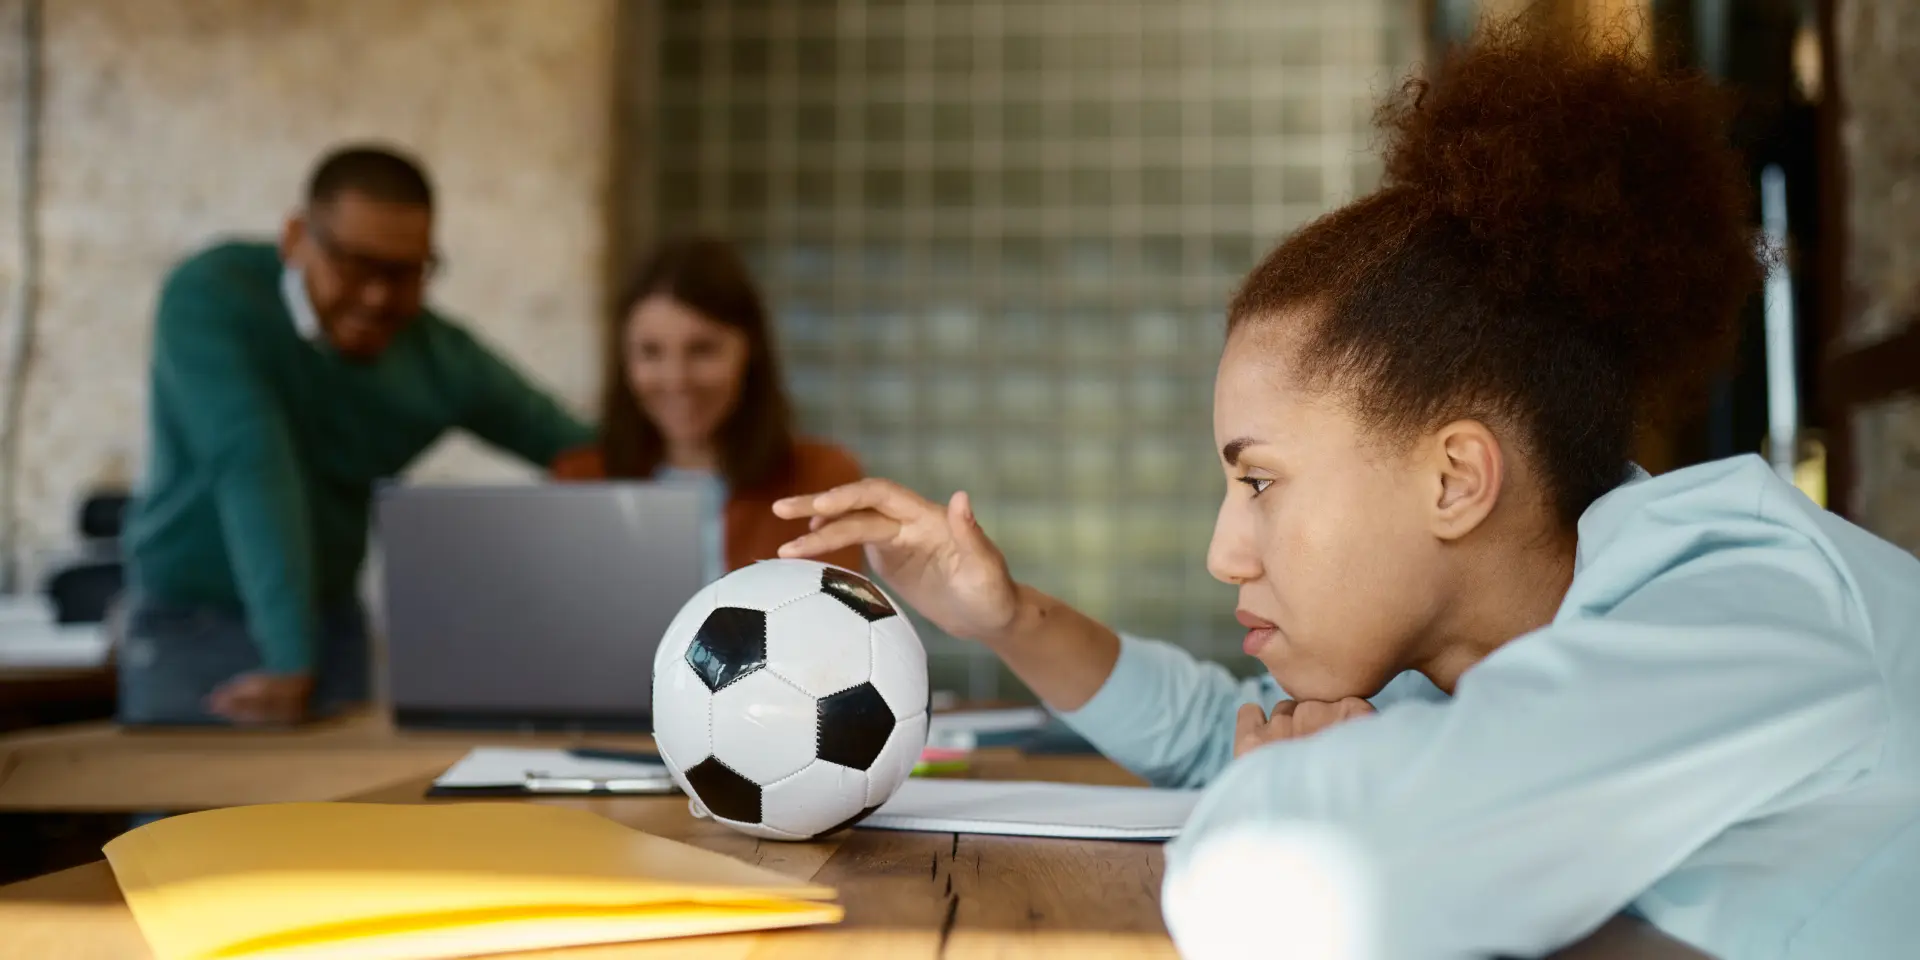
[1291,719]
[262,698]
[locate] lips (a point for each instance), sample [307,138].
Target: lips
[360,332]
[1260,632]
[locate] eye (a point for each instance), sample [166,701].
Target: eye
[1258,485]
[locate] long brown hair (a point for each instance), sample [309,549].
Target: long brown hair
[756,439]
[1561,247]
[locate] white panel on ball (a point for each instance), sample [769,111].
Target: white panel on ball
[673,643]
[899,666]
[682,711]
[768,584]
[763,727]
[819,645]
[822,796]
[896,759]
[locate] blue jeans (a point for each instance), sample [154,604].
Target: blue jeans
[172,656]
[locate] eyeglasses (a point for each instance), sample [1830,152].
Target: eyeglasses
[359,269]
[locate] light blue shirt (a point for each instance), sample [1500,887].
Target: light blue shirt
[1719,731]
[713,527]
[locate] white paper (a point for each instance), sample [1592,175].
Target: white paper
[48,645]
[509,767]
[1031,809]
[32,608]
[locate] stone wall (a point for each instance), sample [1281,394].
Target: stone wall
[1879,43]
[168,123]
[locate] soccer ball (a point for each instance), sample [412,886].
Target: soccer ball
[789,699]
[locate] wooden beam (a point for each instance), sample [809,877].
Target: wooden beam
[1830,268]
[1875,372]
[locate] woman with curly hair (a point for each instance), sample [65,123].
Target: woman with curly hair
[1523,685]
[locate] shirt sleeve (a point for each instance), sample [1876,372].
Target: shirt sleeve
[1165,715]
[1169,717]
[1578,765]
[502,407]
[234,425]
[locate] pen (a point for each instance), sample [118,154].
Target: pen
[540,783]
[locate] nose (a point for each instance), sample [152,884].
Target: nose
[376,295]
[675,375]
[1231,557]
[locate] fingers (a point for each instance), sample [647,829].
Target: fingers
[873,493]
[1291,719]
[966,529]
[259,699]
[240,706]
[243,705]
[1249,720]
[1313,716]
[856,529]
[1248,726]
[219,703]
[233,699]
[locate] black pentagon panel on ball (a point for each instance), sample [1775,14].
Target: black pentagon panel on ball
[842,825]
[857,592]
[854,726]
[730,644]
[723,792]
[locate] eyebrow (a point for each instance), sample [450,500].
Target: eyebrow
[1231,452]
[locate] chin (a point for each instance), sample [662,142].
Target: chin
[682,435]
[677,425]
[361,353]
[1310,684]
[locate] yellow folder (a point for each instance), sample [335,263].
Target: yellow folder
[316,881]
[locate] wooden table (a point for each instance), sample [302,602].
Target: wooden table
[101,768]
[906,895]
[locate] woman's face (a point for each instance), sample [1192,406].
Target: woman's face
[685,369]
[1328,533]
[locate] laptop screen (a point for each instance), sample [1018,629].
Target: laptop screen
[534,607]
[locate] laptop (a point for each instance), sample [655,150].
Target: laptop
[533,607]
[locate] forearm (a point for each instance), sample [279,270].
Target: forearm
[1061,654]
[260,521]
[505,409]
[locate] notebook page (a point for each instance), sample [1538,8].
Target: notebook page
[1032,809]
[509,767]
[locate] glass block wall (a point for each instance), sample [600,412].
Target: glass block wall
[999,237]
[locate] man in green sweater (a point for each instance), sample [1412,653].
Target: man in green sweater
[285,383]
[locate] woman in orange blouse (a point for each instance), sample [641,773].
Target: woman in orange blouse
[693,394]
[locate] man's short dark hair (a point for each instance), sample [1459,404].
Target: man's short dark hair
[378,173]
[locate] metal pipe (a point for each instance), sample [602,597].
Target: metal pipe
[1783,388]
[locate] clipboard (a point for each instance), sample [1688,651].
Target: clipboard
[522,771]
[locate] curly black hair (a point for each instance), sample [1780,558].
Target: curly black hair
[1560,247]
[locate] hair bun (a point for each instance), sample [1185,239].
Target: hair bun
[1577,173]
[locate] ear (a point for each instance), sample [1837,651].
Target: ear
[291,236]
[1472,472]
